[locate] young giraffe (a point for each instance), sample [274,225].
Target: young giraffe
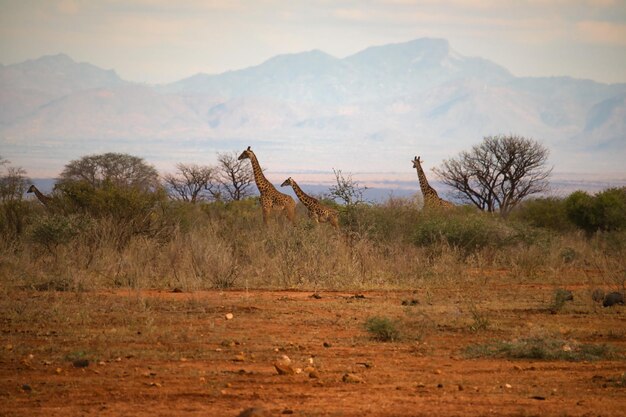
[44,199]
[270,197]
[317,211]
[431,198]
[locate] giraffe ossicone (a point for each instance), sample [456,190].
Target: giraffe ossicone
[317,211]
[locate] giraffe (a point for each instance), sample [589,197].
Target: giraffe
[317,211]
[431,198]
[44,199]
[271,198]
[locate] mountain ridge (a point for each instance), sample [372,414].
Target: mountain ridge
[419,95]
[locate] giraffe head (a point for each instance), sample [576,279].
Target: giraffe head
[287,182]
[246,154]
[416,162]
[31,189]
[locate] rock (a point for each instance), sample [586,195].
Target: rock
[411,302]
[597,295]
[284,370]
[613,299]
[229,316]
[283,366]
[177,290]
[239,358]
[316,296]
[81,363]
[327,345]
[351,378]
[26,388]
[254,412]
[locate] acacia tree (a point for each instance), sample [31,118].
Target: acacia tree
[13,182]
[119,187]
[235,176]
[192,183]
[117,169]
[498,173]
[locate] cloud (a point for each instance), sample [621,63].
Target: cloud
[69,7]
[602,32]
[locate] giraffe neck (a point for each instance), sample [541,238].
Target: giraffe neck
[307,200]
[44,199]
[427,190]
[262,183]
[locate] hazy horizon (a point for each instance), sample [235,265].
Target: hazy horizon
[401,77]
[161,42]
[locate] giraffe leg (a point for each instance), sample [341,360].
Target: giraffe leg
[290,212]
[266,207]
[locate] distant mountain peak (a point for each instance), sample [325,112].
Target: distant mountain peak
[56,60]
[314,55]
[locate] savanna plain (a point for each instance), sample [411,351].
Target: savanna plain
[171,308]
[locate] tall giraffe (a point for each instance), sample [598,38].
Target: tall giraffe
[44,199]
[270,197]
[317,211]
[431,198]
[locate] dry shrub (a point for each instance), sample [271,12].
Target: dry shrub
[219,245]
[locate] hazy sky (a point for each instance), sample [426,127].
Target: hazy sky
[160,41]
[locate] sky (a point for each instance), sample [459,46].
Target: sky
[161,41]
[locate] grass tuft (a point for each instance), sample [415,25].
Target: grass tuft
[542,349]
[383,329]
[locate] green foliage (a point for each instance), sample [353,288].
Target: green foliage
[383,329]
[129,210]
[542,349]
[548,213]
[52,231]
[117,169]
[561,296]
[14,218]
[606,211]
[464,229]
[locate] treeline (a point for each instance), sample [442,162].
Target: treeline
[112,222]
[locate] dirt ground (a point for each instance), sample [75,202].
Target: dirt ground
[160,353]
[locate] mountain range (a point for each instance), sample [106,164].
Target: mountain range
[371,111]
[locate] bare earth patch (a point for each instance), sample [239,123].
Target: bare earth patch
[157,353]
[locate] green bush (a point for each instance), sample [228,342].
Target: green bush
[606,211]
[131,210]
[14,217]
[52,231]
[542,349]
[548,213]
[382,329]
[464,229]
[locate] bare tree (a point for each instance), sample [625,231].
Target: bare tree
[235,176]
[498,173]
[192,183]
[347,190]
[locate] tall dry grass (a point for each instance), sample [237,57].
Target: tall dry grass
[217,245]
